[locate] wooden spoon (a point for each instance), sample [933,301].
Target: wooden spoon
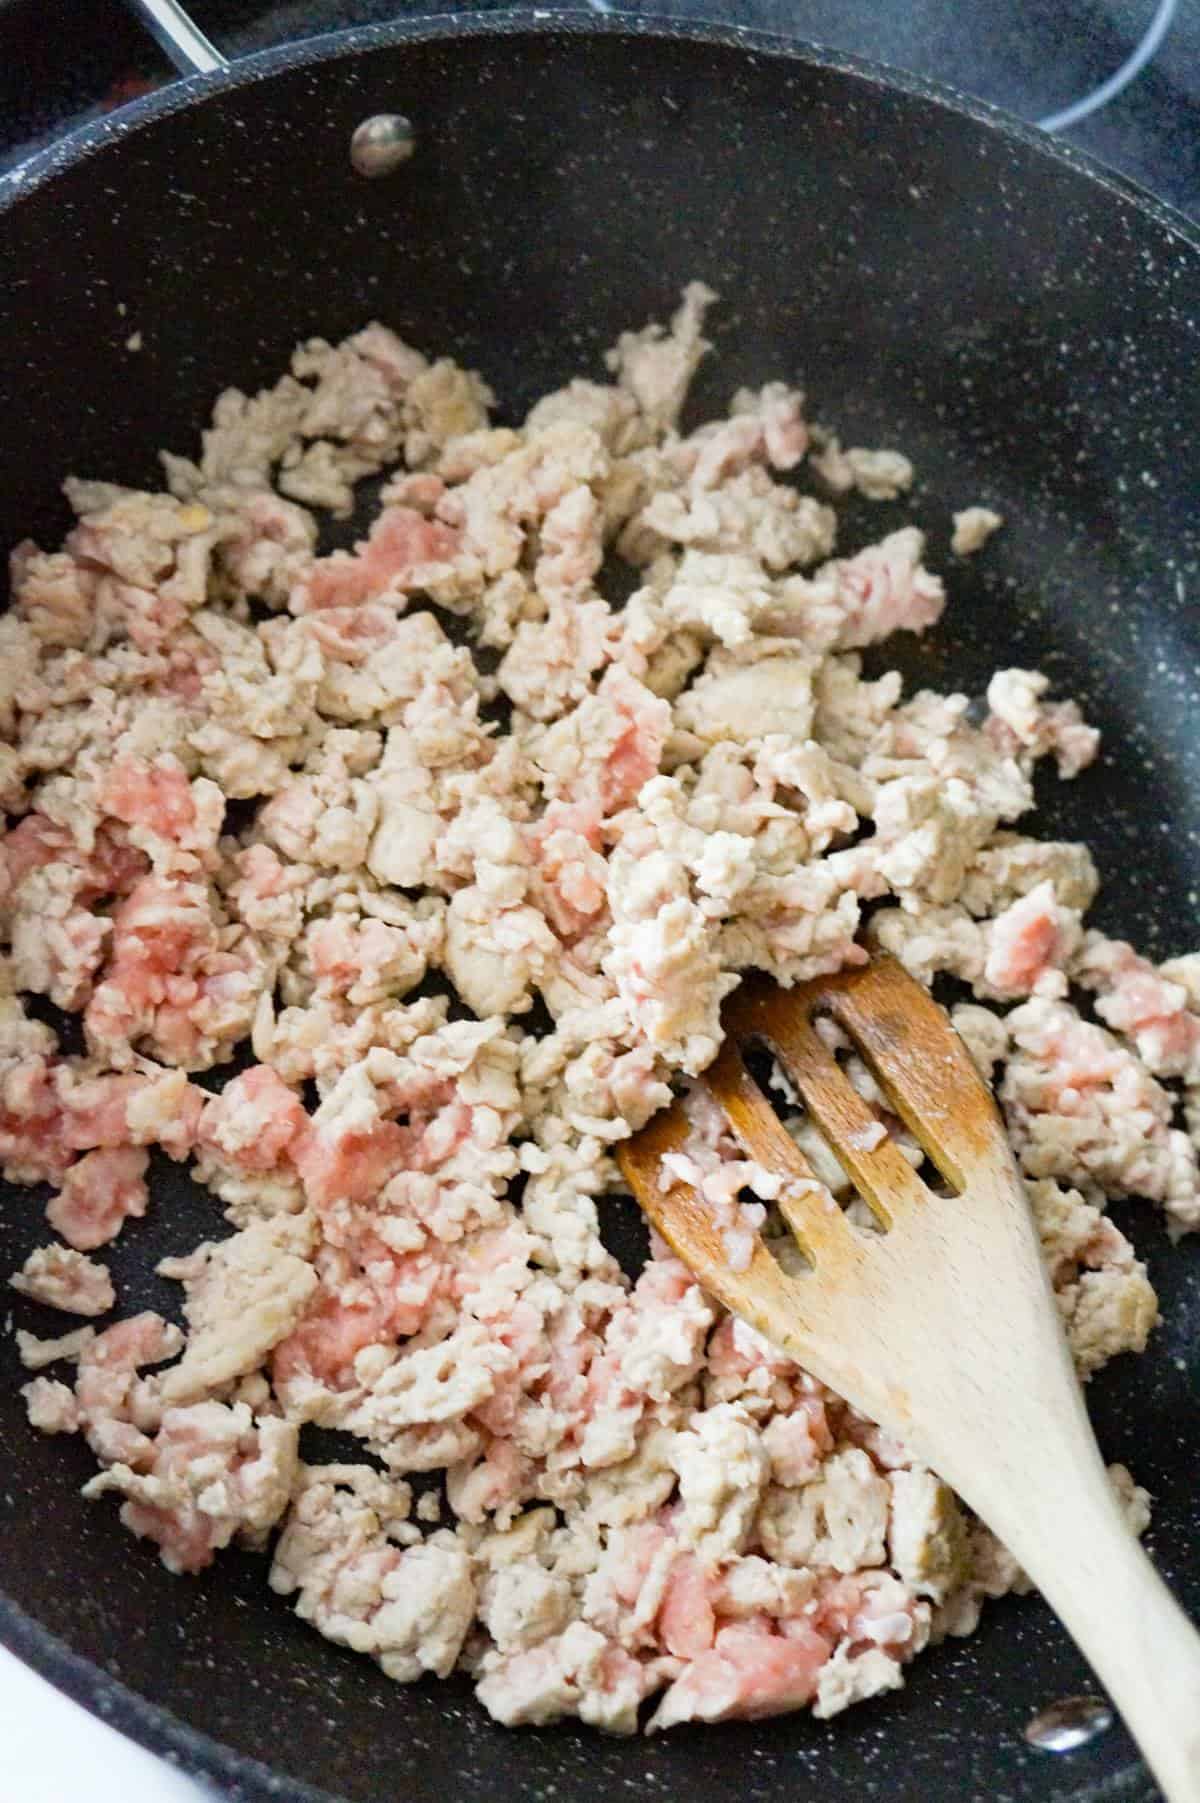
[943,1328]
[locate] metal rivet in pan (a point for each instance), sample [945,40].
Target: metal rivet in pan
[381,143]
[1068,1724]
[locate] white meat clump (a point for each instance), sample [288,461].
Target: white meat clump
[839,1519]
[973,526]
[244,1296]
[723,1466]
[64,1279]
[393,888]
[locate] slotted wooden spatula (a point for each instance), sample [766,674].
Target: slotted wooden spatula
[942,1328]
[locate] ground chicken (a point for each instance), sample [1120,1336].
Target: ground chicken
[973,527]
[64,1279]
[442,904]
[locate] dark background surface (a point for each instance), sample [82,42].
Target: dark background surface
[63,59]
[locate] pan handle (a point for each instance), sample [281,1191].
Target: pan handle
[181,38]
[193,54]
[378,146]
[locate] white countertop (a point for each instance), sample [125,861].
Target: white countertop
[54,1750]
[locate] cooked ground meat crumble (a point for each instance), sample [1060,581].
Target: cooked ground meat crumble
[641,1497]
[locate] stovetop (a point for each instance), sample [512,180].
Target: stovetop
[62,61]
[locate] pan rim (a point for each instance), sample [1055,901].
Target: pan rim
[28,177]
[153,1725]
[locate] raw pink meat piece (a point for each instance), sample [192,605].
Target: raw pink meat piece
[98,1112]
[264,875]
[687,1623]
[338,1164]
[401,544]
[519,1328]
[150,617]
[110,868]
[343,952]
[1076,1055]
[35,841]
[1133,998]
[885,589]
[751,1671]
[495,1480]
[158,924]
[240,1460]
[566,844]
[109,1366]
[798,1441]
[640,1548]
[169,982]
[633,756]
[1026,942]
[32,1145]
[350,634]
[189,661]
[735,1351]
[99,1193]
[774,433]
[328,1339]
[157,795]
[367,1296]
[255,1121]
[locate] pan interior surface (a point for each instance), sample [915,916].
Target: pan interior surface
[1026,332]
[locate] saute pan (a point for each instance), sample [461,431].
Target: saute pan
[1024,324]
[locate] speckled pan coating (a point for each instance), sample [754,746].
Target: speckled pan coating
[1025,326]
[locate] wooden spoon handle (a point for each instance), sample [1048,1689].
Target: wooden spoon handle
[1012,1436]
[1073,1541]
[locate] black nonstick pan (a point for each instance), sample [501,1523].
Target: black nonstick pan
[1025,325]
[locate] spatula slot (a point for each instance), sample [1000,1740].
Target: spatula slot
[923,1068]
